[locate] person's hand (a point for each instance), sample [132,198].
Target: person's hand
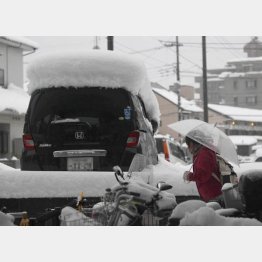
[186,177]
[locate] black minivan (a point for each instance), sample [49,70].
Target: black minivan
[85,129]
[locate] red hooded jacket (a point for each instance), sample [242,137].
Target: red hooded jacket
[204,164]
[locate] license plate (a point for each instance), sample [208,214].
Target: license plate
[80,164]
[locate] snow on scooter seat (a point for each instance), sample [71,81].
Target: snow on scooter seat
[72,217]
[96,68]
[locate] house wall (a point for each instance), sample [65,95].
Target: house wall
[169,115]
[16,124]
[215,118]
[187,92]
[3,64]
[15,66]
[237,88]
[233,91]
[11,60]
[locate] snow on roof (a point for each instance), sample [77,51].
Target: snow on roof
[215,79]
[22,41]
[238,113]
[173,98]
[231,74]
[243,140]
[94,68]
[13,99]
[196,96]
[246,59]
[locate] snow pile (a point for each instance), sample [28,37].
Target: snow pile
[173,174]
[6,167]
[71,217]
[94,68]
[258,152]
[30,184]
[13,99]
[206,216]
[187,207]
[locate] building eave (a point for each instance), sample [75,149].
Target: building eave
[19,43]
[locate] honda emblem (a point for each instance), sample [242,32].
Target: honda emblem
[79,135]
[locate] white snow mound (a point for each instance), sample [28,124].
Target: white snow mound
[95,68]
[187,207]
[206,216]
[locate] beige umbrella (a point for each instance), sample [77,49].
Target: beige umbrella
[209,136]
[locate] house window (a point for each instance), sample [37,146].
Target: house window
[2,79]
[3,142]
[247,68]
[251,100]
[235,101]
[251,83]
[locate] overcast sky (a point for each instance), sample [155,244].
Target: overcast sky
[159,60]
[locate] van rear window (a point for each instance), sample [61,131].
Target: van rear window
[98,107]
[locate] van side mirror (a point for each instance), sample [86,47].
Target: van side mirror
[154,125]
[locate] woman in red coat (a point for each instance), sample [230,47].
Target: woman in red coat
[204,164]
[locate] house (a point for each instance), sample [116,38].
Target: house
[168,104]
[239,82]
[244,144]
[236,120]
[13,99]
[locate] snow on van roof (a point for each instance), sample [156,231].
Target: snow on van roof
[108,69]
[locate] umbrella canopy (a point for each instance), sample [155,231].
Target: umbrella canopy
[209,136]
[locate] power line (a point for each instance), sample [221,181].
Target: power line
[224,44]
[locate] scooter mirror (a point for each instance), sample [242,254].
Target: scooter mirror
[162,186]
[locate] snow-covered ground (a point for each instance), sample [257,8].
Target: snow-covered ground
[26,184]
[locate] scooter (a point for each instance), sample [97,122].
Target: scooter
[130,201]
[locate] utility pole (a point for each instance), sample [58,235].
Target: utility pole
[96,46]
[110,43]
[177,45]
[178,78]
[205,96]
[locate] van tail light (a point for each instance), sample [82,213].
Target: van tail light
[166,152]
[133,139]
[28,142]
